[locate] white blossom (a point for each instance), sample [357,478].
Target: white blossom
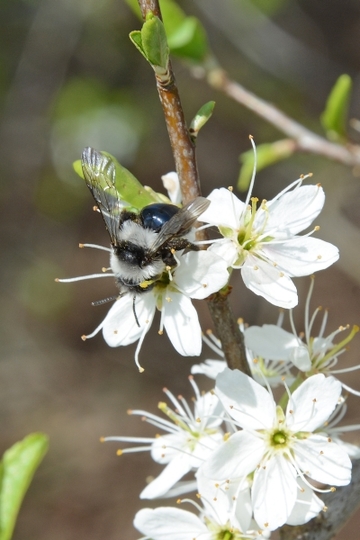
[197,275]
[263,242]
[189,439]
[276,447]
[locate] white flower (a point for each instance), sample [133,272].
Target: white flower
[264,369]
[198,274]
[310,354]
[276,447]
[264,243]
[172,185]
[190,438]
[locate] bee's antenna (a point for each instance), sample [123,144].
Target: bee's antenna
[134,311]
[104,300]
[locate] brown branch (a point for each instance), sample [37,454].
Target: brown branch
[305,140]
[183,148]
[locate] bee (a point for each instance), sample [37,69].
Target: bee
[144,243]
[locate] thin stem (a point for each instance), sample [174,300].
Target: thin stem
[301,138]
[183,148]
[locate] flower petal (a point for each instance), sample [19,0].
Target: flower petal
[307,506]
[225,209]
[266,280]
[274,492]
[238,456]
[182,325]
[270,341]
[174,471]
[323,460]
[295,210]
[120,327]
[165,522]
[312,403]
[200,274]
[301,256]
[245,400]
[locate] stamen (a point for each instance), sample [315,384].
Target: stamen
[82,278]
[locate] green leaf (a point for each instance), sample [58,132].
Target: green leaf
[122,180]
[18,467]
[154,42]
[189,40]
[334,117]
[186,36]
[201,117]
[135,37]
[266,154]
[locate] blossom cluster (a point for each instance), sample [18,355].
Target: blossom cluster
[253,462]
[262,241]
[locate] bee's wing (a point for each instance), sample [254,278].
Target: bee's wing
[181,221]
[99,173]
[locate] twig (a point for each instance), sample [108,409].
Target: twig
[226,328]
[304,139]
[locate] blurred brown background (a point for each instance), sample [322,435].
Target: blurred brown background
[71,78]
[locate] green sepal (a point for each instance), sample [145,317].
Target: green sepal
[201,117]
[18,466]
[267,154]
[335,115]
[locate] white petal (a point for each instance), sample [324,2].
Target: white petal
[270,341]
[295,210]
[300,357]
[274,492]
[227,249]
[174,471]
[210,368]
[225,209]
[238,456]
[200,274]
[266,280]
[230,500]
[120,327]
[182,325]
[172,185]
[312,403]
[323,460]
[307,505]
[245,400]
[301,256]
[165,522]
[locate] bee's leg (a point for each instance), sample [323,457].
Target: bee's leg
[134,311]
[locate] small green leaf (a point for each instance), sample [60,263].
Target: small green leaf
[154,42]
[267,154]
[334,117]
[18,467]
[135,37]
[201,117]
